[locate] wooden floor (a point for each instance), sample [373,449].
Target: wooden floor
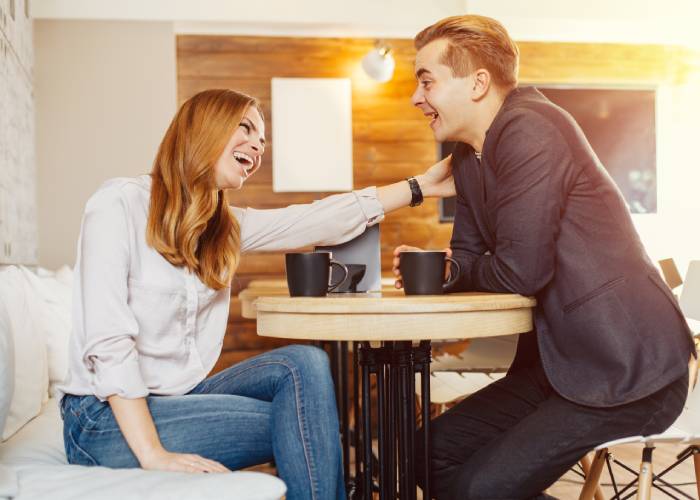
[569,486]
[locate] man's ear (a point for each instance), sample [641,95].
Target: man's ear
[481,84]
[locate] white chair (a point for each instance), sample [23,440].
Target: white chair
[685,430]
[690,296]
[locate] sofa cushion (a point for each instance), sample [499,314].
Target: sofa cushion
[7,366]
[8,482]
[40,442]
[37,456]
[76,482]
[31,368]
[52,295]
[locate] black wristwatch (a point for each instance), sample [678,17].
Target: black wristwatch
[416,193]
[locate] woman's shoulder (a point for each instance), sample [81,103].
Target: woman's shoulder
[120,190]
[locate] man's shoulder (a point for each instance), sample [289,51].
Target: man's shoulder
[530,120]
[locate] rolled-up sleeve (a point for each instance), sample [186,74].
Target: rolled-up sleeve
[330,221]
[102,311]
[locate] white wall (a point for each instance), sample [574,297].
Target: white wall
[626,21]
[630,21]
[400,18]
[18,225]
[105,93]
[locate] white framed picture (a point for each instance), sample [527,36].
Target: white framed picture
[312,134]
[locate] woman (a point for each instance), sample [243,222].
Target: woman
[155,261]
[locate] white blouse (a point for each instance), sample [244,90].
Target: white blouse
[143,326]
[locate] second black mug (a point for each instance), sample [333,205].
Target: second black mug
[423,273]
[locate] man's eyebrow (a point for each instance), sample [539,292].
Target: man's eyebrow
[421,72]
[252,125]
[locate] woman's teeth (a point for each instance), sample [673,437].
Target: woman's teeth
[245,161]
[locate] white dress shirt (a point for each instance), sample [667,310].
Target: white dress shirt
[143,326]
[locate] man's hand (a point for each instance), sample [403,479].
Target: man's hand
[397,260]
[438,180]
[162,459]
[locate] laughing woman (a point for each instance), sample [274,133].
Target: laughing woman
[155,261]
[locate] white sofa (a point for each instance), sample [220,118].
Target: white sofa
[34,331]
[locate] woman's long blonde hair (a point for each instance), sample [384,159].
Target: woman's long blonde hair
[189,221]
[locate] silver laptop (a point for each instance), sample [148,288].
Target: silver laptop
[364,249]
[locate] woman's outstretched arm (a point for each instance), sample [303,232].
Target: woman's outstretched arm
[335,219]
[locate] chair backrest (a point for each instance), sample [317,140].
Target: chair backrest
[689,419]
[690,297]
[670,272]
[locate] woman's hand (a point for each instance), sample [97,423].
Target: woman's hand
[162,459]
[438,180]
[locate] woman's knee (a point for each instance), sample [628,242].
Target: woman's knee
[307,359]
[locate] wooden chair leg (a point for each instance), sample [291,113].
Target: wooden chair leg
[586,466]
[593,471]
[646,475]
[696,459]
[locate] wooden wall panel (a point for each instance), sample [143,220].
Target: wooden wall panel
[391,139]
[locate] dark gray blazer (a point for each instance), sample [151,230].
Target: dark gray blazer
[540,216]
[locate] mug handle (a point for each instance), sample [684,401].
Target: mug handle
[332,287]
[453,276]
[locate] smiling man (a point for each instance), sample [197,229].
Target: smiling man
[538,215]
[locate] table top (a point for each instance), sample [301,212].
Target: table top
[278,288]
[392,315]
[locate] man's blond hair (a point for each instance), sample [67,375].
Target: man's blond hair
[475,42]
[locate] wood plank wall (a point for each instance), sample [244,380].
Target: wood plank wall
[391,139]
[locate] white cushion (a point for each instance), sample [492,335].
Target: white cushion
[40,442]
[75,482]
[52,295]
[8,482]
[31,367]
[7,366]
[36,454]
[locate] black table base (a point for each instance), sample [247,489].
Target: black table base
[394,365]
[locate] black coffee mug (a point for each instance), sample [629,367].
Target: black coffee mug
[423,273]
[308,273]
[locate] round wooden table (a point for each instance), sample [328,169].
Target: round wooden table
[278,288]
[404,326]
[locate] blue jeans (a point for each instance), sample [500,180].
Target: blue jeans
[279,405]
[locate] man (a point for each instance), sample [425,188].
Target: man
[538,215]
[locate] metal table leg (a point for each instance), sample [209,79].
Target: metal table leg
[395,365]
[354,489]
[365,363]
[343,410]
[425,407]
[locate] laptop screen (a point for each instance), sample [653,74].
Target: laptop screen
[364,249]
